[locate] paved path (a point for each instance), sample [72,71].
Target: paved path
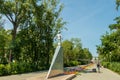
[88,75]
[105,74]
[23,76]
[35,76]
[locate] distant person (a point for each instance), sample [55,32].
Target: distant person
[98,67]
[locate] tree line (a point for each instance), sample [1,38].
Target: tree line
[74,53]
[109,49]
[28,46]
[34,25]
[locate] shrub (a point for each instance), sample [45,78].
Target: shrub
[73,63]
[19,67]
[1,69]
[8,69]
[105,64]
[4,69]
[114,66]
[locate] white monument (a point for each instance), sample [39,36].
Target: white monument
[56,67]
[59,38]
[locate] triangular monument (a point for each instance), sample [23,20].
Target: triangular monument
[56,67]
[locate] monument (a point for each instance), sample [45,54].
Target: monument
[56,70]
[56,67]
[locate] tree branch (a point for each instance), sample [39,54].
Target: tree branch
[9,17]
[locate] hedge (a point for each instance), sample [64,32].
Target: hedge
[114,66]
[18,68]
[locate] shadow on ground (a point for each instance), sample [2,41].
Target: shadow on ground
[89,71]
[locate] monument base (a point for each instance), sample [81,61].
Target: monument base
[60,77]
[56,67]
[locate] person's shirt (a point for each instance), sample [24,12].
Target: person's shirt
[98,65]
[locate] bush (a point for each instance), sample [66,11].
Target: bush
[114,66]
[73,63]
[1,69]
[14,68]
[8,69]
[4,69]
[105,64]
[19,67]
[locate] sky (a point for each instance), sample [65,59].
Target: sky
[88,20]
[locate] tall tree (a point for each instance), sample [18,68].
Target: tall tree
[18,13]
[110,45]
[74,54]
[35,40]
[12,9]
[68,52]
[110,42]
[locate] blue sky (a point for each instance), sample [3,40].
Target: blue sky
[88,20]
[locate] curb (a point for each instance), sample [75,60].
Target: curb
[71,77]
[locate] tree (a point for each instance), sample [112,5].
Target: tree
[87,53]
[1,22]
[68,52]
[40,21]
[5,39]
[74,54]
[110,45]
[118,4]
[18,12]
[77,50]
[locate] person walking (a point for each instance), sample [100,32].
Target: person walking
[98,67]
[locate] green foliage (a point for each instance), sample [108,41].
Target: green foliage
[21,67]
[105,64]
[118,4]
[32,46]
[18,67]
[67,50]
[37,24]
[5,69]
[72,63]
[114,66]
[23,14]
[2,69]
[74,54]
[5,39]
[109,48]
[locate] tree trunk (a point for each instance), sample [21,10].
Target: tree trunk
[14,32]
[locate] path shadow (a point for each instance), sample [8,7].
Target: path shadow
[90,71]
